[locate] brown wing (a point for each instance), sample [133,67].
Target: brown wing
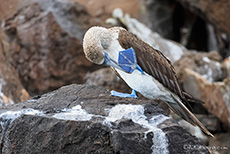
[151,61]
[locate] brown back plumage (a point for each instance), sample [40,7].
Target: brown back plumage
[156,64]
[152,61]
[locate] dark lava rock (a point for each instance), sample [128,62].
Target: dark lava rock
[216,12]
[86,119]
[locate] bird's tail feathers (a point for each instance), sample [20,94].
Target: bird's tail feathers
[191,99]
[180,109]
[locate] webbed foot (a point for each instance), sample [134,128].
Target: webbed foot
[119,94]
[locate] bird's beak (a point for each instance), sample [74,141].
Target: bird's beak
[110,62]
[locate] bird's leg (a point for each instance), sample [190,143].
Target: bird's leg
[139,69]
[119,94]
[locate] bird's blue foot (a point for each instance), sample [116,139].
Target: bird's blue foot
[119,94]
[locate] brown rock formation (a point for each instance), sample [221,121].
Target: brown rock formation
[103,8]
[46,44]
[11,89]
[215,95]
[216,12]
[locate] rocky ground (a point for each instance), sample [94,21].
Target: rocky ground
[41,50]
[86,119]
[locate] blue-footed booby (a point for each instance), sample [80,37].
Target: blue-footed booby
[145,69]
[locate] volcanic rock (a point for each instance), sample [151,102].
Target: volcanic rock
[46,44]
[216,12]
[208,65]
[11,89]
[86,119]
[216,95]
[103,9]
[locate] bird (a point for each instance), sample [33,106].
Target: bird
[145,69]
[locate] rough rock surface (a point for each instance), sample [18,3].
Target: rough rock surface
[86,119]
[216,95]
[206,64]
[159,17]
[220,143]
[216,12]
[11,89]
[103,8]
[10,7]
[46,44]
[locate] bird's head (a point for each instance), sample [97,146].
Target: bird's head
[95,43]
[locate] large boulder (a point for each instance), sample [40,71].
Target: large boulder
[46,44]
[216,12]
[86,119]
[216,95]
[208,65]
[205,77]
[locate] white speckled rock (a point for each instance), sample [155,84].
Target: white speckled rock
[86,119]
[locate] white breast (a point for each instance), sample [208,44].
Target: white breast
[146,85]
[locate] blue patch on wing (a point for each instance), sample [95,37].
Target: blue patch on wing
[127,60]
